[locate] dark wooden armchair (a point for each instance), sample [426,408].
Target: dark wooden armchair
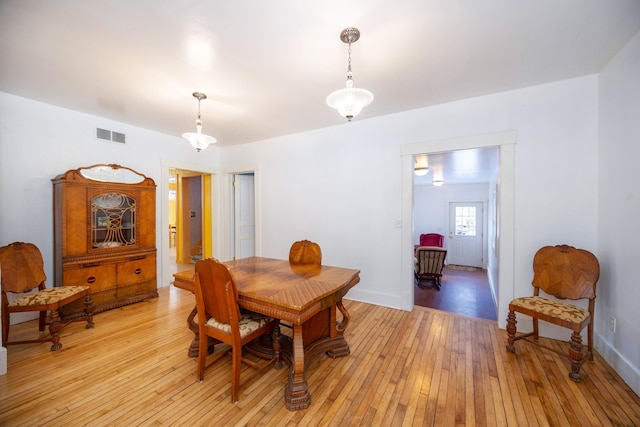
[429,264]
[564,272]
[23,272]
[219,317]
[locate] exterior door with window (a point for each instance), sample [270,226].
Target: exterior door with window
[464,246]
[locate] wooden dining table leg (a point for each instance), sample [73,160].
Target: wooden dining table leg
[296,392]
[340,348]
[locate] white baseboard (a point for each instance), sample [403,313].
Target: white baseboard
[629,373]
[385,300]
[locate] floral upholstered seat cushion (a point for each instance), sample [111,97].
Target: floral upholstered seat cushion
[553,308]
[247,324]
[48,296]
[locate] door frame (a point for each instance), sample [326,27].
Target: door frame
[227,230]
[210,242]
[505,142]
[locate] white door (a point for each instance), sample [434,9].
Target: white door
[244,216]
[464,246]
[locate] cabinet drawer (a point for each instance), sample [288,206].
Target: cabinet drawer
[98,278]
[143,290]
[136,271]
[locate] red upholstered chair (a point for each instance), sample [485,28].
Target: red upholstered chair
[430,239]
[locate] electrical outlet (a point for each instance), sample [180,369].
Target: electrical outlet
[612,323]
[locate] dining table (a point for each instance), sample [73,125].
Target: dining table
[308,297]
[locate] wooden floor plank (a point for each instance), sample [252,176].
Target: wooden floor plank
[424,367]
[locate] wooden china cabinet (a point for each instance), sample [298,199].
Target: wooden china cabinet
[105,235]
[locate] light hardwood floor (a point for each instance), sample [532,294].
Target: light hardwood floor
[421,368]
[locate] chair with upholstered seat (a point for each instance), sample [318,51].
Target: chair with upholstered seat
[304,252]
[22,272]
[563,272]
[219,317]
[430,239]
[429,264]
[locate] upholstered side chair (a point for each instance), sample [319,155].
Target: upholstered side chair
[304,252]
[219,317]
[23,273]
[561,272]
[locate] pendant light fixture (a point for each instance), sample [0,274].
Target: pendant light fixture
[421,170]
[199,140]
[421,166]
[350,100]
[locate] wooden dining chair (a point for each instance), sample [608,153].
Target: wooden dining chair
[304,252]
[563,272]
[22,272]
[219,317]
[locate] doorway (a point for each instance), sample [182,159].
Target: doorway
[189,213]
[502,254]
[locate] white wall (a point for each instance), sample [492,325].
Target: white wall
[39,141]
[339,186]
[431,207]
[618,213]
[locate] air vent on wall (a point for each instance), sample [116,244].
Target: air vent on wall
[108,135]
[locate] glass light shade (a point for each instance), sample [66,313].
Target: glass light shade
[421,170]
[438,182]
[350,100]
[199,140]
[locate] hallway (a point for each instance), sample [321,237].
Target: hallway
[464,290]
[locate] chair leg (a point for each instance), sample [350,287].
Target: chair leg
[536,336]
[575,353]
[275,342]
[590,340]
[202,354]
[5,326]
[88,310]
[511,331]
[43,321]
[54,330]
[236,366]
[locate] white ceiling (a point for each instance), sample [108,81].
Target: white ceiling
[267,66]
[459,167]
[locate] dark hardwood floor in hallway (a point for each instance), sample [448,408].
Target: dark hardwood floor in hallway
[463,291]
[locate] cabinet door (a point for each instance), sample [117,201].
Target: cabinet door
[137,277]
[136,270]
[101,279]
[113,219]
[146,223]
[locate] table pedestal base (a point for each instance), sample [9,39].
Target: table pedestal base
[325,336]
[195,343]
